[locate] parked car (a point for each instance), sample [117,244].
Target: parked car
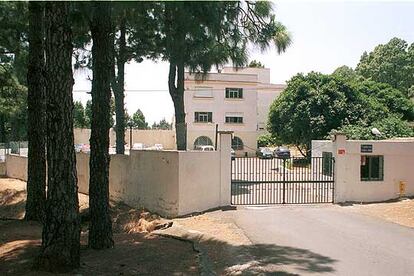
[138,146]
[281,152]
[233,154]
[264,153]
[158,147]
[205,148]
[78,147]
[155,147]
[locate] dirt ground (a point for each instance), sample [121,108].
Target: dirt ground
[397,211]
[134,253]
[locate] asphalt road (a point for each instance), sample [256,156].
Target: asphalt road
[325,240]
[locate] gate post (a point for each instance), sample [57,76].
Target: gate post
[339,152]
[225,167]
[284,181]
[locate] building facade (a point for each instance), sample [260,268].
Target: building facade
[235,100]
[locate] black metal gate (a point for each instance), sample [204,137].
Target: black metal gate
[257,181]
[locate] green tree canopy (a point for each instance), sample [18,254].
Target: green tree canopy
[314,104]
[14,23]
[163,124]
[391,63]
[393,99]
[390,127]
[267,140]
[13,106]
[79,116]
[345,72]
[138,120]
[255,64]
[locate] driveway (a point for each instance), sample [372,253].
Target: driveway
[325,239]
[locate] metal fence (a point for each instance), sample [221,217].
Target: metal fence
[257,181]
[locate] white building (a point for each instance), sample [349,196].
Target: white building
[236,100]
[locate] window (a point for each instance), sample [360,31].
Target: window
[234,119]
[327,163]
[203,92]
[237,143]
[234,93]
[372,168]
[203,117]
[202,141]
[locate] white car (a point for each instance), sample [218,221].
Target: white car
[138,146]
[158,147]
[205,148]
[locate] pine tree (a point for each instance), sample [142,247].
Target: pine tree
[100,230]
[36,182]
[61,228]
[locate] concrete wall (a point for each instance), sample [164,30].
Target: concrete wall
[398,160]
[147,137]
[2,168]
[16,166]
[171,183]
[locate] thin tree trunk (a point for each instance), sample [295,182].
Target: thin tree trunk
[176,45]
[119,89]
[176,74]
[61,229]
[36,169]
[100,230]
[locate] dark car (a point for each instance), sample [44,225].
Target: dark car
[264,153]
[283,153]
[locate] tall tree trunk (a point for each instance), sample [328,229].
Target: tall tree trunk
[2,129]
[176,89]
[36,169]
[119,89]
[100,230]
[61,229]
[175,43]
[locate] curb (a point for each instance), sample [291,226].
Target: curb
[193,237]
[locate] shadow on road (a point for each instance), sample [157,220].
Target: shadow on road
[263,259]
[271,257]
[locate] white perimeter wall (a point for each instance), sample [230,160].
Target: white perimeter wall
[398,166]
[147,137]
[171,183]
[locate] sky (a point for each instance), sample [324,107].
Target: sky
[326,35]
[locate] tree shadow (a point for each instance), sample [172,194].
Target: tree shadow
[264,259]
[143,254]
[269,255]
[133,254]
[12,203]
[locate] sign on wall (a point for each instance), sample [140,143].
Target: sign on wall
[341,151]
[365,148]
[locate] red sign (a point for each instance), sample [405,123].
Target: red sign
[341,151]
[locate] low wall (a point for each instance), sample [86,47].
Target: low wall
[205,178]
[143,179]
[398,159]
[171,183]
[2,168]
[16,166]
[147,137]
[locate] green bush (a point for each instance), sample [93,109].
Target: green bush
[266,140]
